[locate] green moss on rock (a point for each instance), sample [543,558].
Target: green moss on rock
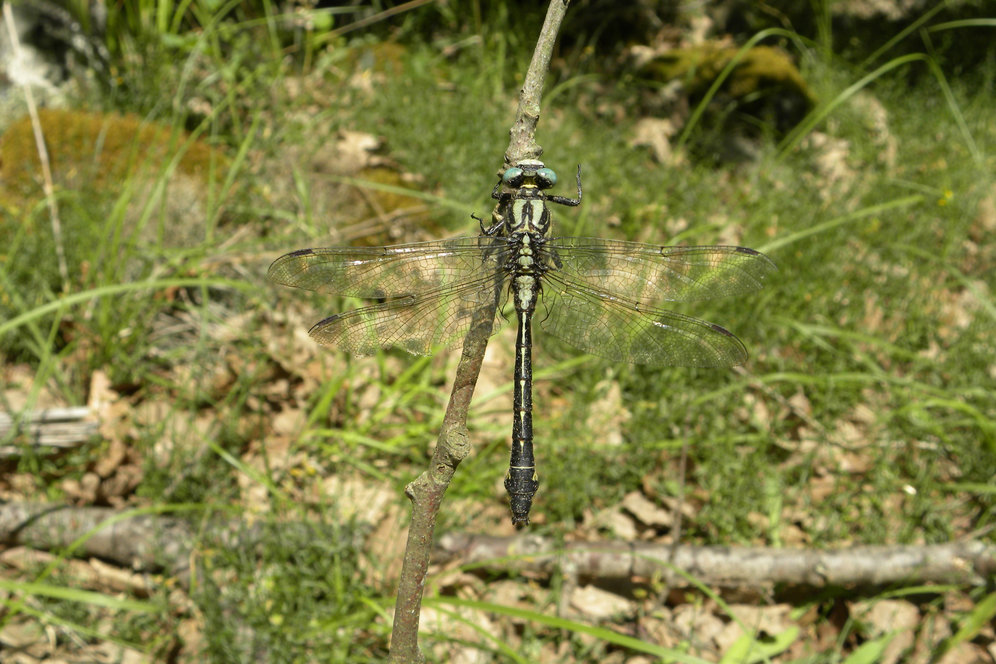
[95,152]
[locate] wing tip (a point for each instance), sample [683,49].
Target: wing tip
[728,358]
[276,271]
[763,259]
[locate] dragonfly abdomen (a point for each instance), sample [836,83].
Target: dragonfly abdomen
[521,482]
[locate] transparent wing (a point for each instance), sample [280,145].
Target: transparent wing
[623,330]
[653,274]
[399,270]
[415,323]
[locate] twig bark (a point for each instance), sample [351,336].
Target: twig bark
[522,136]
[47,430]
[426,492]
[968,562]
[142,541]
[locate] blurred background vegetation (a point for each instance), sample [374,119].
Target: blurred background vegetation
[193,142]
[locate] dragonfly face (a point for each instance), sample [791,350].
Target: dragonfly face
[603,296]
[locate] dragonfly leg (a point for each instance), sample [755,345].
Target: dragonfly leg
[495,228]
[563,200]
[480,222]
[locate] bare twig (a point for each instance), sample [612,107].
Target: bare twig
[149,541]
[126,537]
[522,141]
[47,186]
[376,18]
[426,492]
[967,562]
[49,429]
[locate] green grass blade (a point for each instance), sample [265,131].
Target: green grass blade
[963,23]
[955,111]
[980,616]
[80,596]
[820,113]
[700,109]
[117,289]
[494,639]
[902,34]
[870,652]
[748,649]
[792,238]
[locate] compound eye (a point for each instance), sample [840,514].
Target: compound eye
[512,177]
[547,178]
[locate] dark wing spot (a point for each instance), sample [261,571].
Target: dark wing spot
[324,321]
[722,330]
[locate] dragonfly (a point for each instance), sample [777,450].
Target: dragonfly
[602,296]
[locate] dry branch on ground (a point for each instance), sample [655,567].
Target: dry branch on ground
[160,541]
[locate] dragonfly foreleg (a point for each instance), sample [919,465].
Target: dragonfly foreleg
[563,200]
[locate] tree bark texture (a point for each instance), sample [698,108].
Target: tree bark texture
[962,563]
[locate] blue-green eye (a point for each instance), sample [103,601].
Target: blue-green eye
[546,177]
[511,174]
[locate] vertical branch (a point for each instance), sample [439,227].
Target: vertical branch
[522,140]
[426,492]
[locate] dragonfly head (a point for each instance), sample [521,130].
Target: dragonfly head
[529,173]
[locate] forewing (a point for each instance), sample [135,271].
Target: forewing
[395,271]
[625,331]
[653,274]
[416,323]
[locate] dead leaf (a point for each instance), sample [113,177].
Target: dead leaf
[597,604]
[84,490]
[108,651]
[386,547]
[656,134]
[117,488]
[965,653]
[620,525]
[646,511]
[111,459]
[458,627]
[368,500]
[884,616]
[934,628]
[661,629]
[697,624]
[761,620]
[288,422]
[607,414]
[27,636]
[100,394]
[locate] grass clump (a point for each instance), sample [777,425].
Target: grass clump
[295,597]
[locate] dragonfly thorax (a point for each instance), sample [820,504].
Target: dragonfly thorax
[526,212]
